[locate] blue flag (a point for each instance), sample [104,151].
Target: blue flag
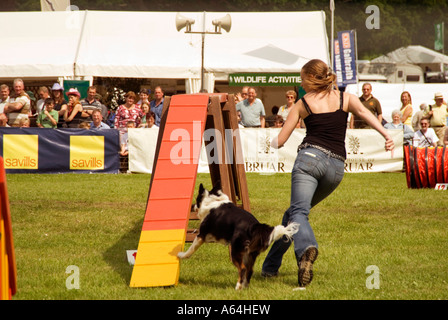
[347,56]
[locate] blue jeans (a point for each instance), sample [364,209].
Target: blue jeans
[315,176]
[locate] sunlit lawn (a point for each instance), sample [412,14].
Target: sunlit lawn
[89,221]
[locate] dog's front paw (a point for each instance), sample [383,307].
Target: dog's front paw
[182,255]
[241,286]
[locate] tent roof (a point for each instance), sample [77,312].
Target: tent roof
[39,44]
[147,44]
[267,42]
[413,55]
[136,45]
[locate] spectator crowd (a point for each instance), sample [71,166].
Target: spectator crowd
[427,127]
[19,108]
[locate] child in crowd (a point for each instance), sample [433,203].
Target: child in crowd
[124,139]
[151,120]
[84,125]
[48,117]
[278,122]
[145,108]
[24,123]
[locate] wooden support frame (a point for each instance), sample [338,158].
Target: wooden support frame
[230,170]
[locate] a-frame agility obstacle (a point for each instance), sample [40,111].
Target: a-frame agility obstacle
[8,269]
[168,211]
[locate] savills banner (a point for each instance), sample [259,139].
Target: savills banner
[42,150]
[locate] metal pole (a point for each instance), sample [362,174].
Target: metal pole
[202,53]
[202,63]
[79,43]
[356,62]
[332,33]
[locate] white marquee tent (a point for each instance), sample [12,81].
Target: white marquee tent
[417,55]
[83,44]
[38,44]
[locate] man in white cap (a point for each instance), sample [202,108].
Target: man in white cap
[437,114]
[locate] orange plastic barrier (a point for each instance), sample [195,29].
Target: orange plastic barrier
[8,271]
[425,167]
[171,190]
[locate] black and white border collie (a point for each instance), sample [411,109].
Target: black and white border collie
[224,222]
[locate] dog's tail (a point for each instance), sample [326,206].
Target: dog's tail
[280,231]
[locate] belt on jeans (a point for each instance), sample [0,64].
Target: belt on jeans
[327,152]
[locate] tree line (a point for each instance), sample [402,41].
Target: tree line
[401,23]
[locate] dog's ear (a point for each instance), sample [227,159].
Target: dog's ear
[201,189]
[217,185]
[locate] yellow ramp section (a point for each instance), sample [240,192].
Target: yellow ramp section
[156,263]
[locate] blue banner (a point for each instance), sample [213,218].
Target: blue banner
[347,56]
[44,150]
[337,62]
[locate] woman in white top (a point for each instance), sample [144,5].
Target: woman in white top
[291,97]
[396,123]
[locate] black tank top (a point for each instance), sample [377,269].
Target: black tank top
[328,129]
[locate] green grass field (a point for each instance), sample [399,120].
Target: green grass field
[89,221]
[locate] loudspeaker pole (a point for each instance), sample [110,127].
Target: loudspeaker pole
[202,53]
[223,23]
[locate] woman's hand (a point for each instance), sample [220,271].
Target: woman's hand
[274,143]
[389,144]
